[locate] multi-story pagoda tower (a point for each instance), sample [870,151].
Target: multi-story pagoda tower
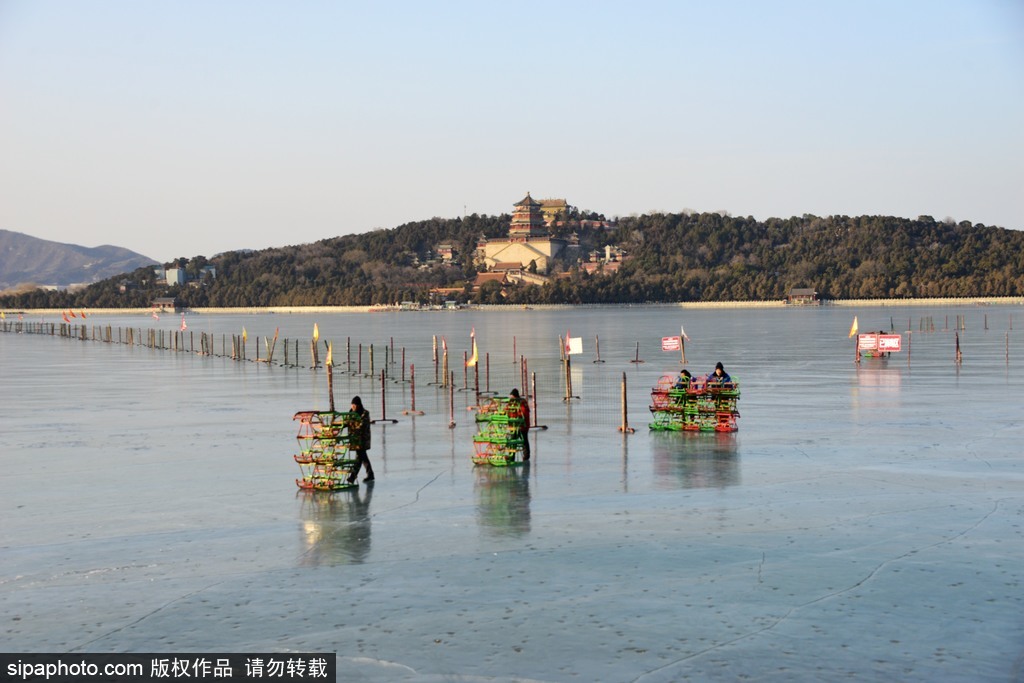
[528,220]
[529,246]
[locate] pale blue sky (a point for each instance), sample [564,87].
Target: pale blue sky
[185,127]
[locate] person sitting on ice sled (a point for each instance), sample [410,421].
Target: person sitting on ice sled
[682,384]
[719,377]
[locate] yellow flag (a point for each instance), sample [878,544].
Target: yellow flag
[472,340]
[245,335]
[3,316]
[316,333]
[853,328]
[330,354]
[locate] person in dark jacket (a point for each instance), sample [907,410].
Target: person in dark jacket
[520,408]
[362,427]
[719,376]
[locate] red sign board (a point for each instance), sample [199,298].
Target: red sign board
[882,343]
[670,343]
[889,342]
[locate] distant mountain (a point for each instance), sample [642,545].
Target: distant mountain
[29,260]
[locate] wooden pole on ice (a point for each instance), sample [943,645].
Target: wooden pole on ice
[451,398]
[533,399]
[624,427]
[330,383]
[383,401]
[412,391]
[636,359]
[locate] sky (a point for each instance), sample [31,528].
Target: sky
[178,128]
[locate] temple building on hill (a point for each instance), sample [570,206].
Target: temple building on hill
[554,210]
[528,242]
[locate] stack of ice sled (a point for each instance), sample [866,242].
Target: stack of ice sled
[701,407]
[498,441]
[325,438]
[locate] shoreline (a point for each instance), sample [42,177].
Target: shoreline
[300,310]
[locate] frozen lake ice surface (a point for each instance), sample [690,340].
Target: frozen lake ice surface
[864,523]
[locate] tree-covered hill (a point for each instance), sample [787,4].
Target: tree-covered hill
[712,257]
[671,257]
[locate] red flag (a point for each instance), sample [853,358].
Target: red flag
[65,316]
[183,325]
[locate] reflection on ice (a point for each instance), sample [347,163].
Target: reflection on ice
[335,526]
[879,375]
[503,499]
[695,459]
